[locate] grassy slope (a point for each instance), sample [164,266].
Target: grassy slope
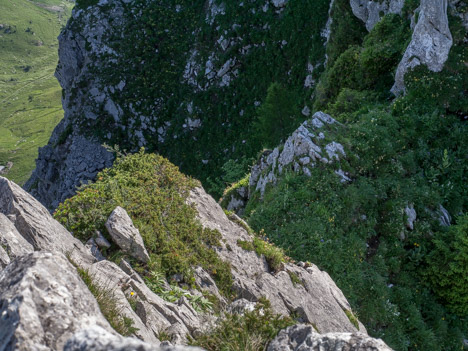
[30,105]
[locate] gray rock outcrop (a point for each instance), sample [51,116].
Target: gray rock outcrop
[370,11]
[43,303]
[36,225]
[301,152]
[315,300]
[305,338]
[98,339]
[313,296]
[126,235]
[430,44]
[410,213]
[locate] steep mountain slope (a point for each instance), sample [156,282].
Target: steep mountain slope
[373,188]
[221,293]
[29,94]
[377,194]
[179,78]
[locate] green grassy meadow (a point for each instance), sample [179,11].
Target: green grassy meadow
[30,96]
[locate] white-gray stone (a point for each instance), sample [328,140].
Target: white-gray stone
[43,302]
[317,300]
[98,339]
[302,337]
[36,225]
[410,213]
[370,11]
[444,216]
[430,44]
[126,235]
[12,243]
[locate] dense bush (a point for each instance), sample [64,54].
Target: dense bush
[448,262]
[408,286]
[154,193]
[251,331]
[367,67]
[357,231]
[277,117]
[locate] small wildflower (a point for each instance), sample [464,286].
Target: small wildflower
[132,293]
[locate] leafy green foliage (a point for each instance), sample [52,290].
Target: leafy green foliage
[444,91]
[408,287]
[370,66]
[354,231]
[265,47]
[251,331]
[448,262]
[277,117]
[346,30]
[156,283]
[354,321]
[274,256]
[154,193]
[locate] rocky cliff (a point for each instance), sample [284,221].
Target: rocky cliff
[46,304]
[133,76]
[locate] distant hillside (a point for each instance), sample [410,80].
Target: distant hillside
[30,105]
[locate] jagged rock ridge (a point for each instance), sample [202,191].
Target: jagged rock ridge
[317,300]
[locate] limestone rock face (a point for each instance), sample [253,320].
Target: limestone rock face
[370,11]
[36,225]
[305,338]
[36,286]
[62,167]
[43,302]
[125,235]
[12,244]
[315,300]
[98,339]
[430,44]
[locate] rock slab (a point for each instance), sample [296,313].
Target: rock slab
[37,226]
[302,337]
[43,302]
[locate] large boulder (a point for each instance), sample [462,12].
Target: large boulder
[126,235]
[430,44]
[98,339]
[37,226]
[43,302]
[304,338]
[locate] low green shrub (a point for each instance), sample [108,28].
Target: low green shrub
[251,331]
[357,231]
[154,193]
[108,305]
[274,255]
[447,266]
